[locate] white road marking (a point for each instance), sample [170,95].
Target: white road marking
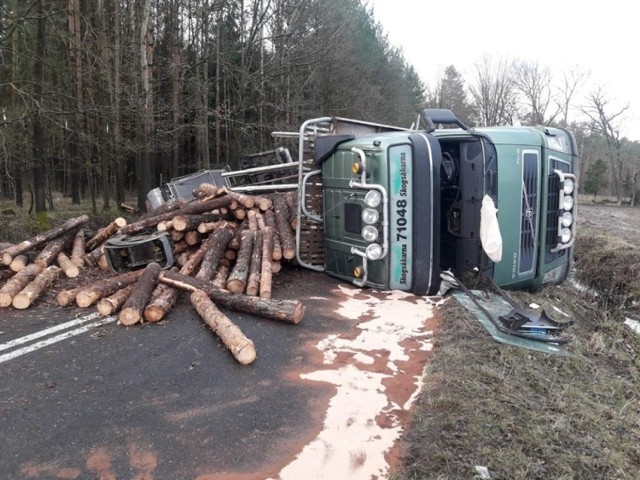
[56,339]
[48,331]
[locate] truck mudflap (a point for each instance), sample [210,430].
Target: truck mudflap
[426,213]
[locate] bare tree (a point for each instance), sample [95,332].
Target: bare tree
[607,123]
[493,92]
[534,83]
[570,86]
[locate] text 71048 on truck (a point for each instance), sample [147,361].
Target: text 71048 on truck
[399,206]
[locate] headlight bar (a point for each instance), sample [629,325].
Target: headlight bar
[560,245]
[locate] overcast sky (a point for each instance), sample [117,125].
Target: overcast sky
[599,37]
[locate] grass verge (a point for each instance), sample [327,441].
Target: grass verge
[527,415]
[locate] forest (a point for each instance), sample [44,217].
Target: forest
[102,100]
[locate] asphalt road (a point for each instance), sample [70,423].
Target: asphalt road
[81,400]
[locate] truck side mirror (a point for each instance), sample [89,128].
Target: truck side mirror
[434,116]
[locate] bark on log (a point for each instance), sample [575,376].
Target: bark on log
[206,190]
[182,223]
[216,245]
[287,239]
[113,303]
[253,283]
[104,233]
[267,259]
[180,247]
[133,309]
[222,274]
[270,221]
[176,236]
[19,263]
[252,221]
[36,288]
[247,201]
[240,346]
[234,243]
[51,250]
[87,295]
[16,283]
[93,256]
[67,266]
[162,300]
[237,281]
[288,311]
[189,209]
[71,224]
[171,205]
[78,249]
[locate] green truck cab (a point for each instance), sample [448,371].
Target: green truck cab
[399,206]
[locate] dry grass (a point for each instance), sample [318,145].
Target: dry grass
[527,415]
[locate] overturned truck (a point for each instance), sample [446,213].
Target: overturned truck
[391,208]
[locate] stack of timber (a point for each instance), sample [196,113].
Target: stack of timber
[227,247]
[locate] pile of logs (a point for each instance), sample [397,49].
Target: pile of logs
[227,246]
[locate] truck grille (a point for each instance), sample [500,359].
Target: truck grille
[553,213]
[529,212]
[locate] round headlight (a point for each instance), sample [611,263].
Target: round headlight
[567,219]
[567,202]
[568,186]
[369,233]
[565,235]
[369,215]
[372,198]
[373,251]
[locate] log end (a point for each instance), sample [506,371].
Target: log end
[5,300]
[246,355]
[7,258]
[72,272]
[86,299]
[153,313]
[21,301]
[235,286]
[129,316]
[64,298]
[104,308]
[298,313]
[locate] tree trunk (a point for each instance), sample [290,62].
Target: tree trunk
[183,223]
[39,172]
[132,310]
[113,303]
[163,299]
[222,274]
[16,283]
[38,240]
[35,289]
[287,311]
[78,249]
[67,266]
[270,221]
[216,246]
[241,347]
[50,252]
[237,280]
[281,211]
[86,295]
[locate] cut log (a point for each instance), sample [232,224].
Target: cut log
[87,295]
[253,282]
[19,262]
[265,267]
[170,205]
[16,283]
[240,346]
[104,233]
[165,226]
[270,221]
[180,247]
[288,311]
[23,247]
[247,201]
[128,208]
[36,288]
[234,243]
[93,256]
[222,274]
[287,240]
[78,249]
[103,264]
[50,252]
[239,213]
[133,309]
[206,190]
[217,245]
[192,237]
[113,303]
[252,221]
[67,266]
[176,236]
[237,281]
[193,208]
[162,300]
[230,254]
[182,223]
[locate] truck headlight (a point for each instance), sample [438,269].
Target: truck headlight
[372,198]
[568,186]
[373,251]
[565,235]
[370,233]
[369,215]
[567,202]
[567,219]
